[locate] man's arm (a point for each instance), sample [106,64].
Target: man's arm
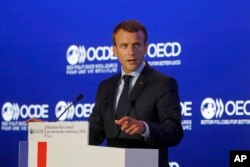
[168,131]
[96,125]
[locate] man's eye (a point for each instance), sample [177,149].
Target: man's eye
[124,46]
[137,45]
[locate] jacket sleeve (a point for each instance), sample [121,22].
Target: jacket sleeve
[168,131]
[96,125]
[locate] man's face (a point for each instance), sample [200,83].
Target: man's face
[130,49]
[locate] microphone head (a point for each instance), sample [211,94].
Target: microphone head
[79,97]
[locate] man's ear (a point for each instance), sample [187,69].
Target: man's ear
[115,50]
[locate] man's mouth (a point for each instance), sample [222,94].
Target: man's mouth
[132,60]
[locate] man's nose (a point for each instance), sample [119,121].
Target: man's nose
[131,50]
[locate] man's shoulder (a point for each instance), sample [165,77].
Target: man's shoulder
[161,81]
[154,73]
[157,75]
[110,81]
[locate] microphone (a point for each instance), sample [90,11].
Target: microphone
[79,97]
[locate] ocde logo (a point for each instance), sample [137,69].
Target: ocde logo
[32,131]
[79,110]
[79,54]
[211,108]
[13,111]
[169,49]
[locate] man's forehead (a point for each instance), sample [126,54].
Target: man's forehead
[123,36]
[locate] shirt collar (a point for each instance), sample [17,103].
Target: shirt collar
[137,72]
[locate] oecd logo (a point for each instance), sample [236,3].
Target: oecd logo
[34,131]
[209,108]
[31,131]
[60,108]
[168,49]
[77,111]
[216,108]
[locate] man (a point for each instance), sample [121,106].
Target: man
[140,109]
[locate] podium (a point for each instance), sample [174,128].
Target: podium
[65,144]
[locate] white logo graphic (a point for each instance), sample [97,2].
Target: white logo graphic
[7,111]
[73,55]
[79,110]
[208,108]
[12,111]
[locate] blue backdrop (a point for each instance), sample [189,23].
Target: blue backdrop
[51,51]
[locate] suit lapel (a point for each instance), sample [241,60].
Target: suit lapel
[138,87]
[141,82]
[113,88]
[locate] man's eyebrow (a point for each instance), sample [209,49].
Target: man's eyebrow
[137,42]
[123,43]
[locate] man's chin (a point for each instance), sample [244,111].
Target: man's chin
[132,68]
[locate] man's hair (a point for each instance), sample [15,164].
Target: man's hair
[130,26]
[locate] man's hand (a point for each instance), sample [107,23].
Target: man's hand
[33,120]
[130,125]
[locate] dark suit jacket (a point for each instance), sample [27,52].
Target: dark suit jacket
[156,101]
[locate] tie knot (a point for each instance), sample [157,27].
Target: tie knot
[127,78]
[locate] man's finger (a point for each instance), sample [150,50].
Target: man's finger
[130,129]
[134,131]
[122,120]
[125,126]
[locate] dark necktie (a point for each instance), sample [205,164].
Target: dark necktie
[123,101]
